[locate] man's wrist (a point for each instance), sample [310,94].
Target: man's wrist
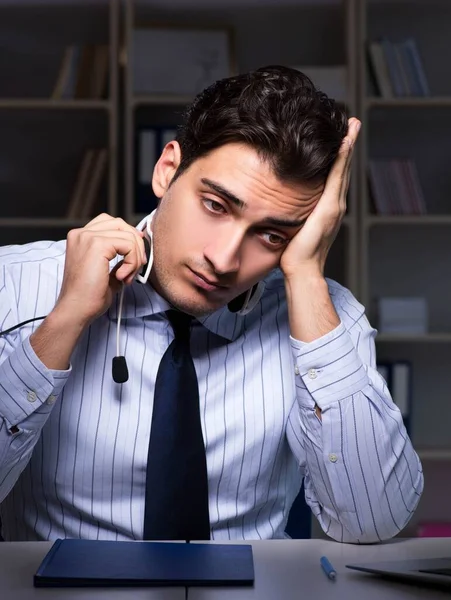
[67,314]
[55,339]
[310,308]
[303,269]
[308,280]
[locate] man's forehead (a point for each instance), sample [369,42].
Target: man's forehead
[236,166]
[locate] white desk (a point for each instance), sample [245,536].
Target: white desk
[20,560]
[284,570]
[290,570]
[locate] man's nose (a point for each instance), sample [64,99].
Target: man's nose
[224,252]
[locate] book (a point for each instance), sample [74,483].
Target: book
[397,68]
[64,72]
[85,197]
[83,73]
[393,66]
[406,315]
[83,84]
[90,203]
[395,187]
[99,563]
[84,171]
[379,70]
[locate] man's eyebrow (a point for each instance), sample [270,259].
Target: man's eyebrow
[221,191]
[227,195]
[277,222]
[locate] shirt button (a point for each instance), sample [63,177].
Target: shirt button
[296,370]
[312,373]
[51,399]
[333,458]
[31,396]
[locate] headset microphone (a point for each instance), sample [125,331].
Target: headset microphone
[119,367]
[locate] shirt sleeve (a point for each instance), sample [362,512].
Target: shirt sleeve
[363,479]
[28,392]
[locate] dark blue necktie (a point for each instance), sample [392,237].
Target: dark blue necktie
[177,486]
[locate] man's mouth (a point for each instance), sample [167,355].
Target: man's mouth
[207,283]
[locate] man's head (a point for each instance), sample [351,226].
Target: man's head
[247,168]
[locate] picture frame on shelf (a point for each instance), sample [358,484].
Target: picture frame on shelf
[178,60]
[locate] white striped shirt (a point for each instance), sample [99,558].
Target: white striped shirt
[76,465]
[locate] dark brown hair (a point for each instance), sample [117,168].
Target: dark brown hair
[277,111]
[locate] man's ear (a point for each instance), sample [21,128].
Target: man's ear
[165,168]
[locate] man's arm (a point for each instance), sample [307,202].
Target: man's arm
[33,370]
[28,392]
[363,479]
[312,313]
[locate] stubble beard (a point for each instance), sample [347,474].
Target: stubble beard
[165,283]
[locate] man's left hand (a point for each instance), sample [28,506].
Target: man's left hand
[308,250]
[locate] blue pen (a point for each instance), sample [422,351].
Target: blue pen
[328,568]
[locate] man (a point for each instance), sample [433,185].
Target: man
[252,190]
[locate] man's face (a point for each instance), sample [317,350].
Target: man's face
[222,226]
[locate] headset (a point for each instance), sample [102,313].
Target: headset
[241,305]
[119,367]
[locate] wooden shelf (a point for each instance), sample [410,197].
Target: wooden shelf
[48,103]
[41,222]
[434,454]
[161,99]
[426,338]
[374,220]
[426,102]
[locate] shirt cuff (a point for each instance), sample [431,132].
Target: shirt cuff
[26,384]
[329,368]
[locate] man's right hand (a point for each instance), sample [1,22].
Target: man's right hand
[88,287]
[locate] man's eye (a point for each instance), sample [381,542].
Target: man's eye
[274,239]
[214,206]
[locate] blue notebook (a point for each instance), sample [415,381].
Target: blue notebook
[83,563]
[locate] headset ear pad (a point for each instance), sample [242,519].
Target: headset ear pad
[148,251]
[237,303]
[247,301]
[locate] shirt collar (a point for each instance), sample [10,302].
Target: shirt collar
[143,301]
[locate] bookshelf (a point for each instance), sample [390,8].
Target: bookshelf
[387,20]
[405,255]
[250,28]
[51,114]
[374,255]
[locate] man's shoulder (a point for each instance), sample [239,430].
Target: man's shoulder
[33,252]
[32,267]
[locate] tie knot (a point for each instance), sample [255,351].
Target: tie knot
[181,324]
